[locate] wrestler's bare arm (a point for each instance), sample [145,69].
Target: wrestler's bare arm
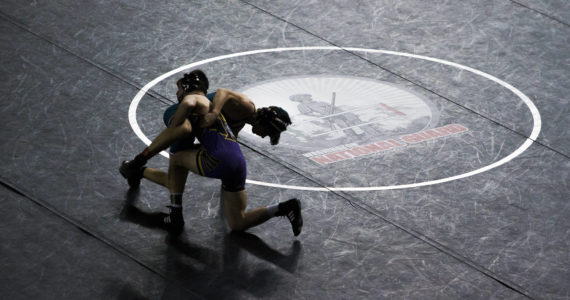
[191,104]
[235,105]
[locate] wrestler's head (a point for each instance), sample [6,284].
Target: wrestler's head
[271,121]
[195,81]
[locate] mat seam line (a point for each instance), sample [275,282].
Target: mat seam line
[448,99]
[102,68]
[540,13]
[423,238]
[167,101]
[76,224]
[429,241]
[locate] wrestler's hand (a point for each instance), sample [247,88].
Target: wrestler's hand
[208,120]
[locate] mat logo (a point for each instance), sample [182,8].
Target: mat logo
[337,118]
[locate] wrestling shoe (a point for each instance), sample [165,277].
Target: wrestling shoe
[132,170]
[292,210]
[174,221]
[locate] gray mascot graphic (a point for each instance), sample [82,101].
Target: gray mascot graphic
[331,122]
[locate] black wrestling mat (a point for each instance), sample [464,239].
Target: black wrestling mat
[429,148]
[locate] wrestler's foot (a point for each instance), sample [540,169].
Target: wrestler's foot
[174,221]
[133,171]
[292,210]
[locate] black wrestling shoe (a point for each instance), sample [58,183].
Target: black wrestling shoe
[292,210]
[174,221]
[132,170]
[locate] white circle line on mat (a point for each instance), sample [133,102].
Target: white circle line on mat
[537,123]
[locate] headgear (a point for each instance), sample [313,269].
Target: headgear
[276,119]
[194,81]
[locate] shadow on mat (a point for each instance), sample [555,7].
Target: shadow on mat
[224,273]
[233,241]
[257,247]
[231,273]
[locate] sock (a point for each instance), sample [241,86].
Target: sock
[176,199]
[175,218]
[272,209]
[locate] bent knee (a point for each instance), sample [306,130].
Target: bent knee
[177,159]
[174,157]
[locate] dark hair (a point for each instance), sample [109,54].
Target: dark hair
[194,81]
[276,119]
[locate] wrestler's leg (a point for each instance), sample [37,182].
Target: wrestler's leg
[169,136]
[238,219]
[180,163]
[157,176]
